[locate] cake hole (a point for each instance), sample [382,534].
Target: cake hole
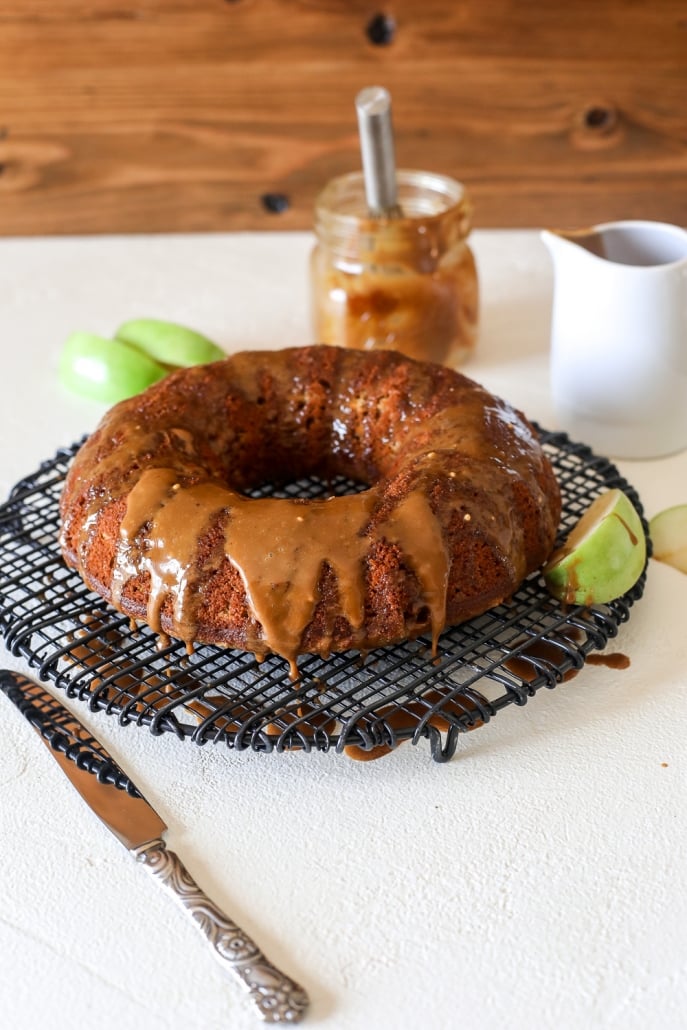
[309,488]
[423,615]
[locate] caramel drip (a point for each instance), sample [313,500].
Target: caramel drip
[146,496]
[279,547]
[414,528]
[176,519]
[633,536]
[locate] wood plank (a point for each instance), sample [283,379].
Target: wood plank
[181,116]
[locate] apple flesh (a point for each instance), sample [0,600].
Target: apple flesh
[603,556]
[668,532]
[169,343]
[104,370]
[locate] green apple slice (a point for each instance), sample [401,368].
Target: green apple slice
[169,343]
[603,556]
[668,532]
[105,370]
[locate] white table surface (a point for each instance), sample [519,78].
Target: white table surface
[538,880]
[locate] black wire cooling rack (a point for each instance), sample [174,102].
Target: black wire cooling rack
[363,707]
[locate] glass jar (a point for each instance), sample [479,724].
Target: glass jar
[407,282]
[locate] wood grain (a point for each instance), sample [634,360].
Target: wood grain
[183,116]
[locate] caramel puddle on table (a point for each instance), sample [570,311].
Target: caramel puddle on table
[207,707]
[532,654]
[408,717]
[101,653]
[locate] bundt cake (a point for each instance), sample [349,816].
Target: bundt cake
[460,502]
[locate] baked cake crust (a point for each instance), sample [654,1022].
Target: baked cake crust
[461,502]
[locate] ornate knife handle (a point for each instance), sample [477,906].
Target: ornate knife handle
[278,999]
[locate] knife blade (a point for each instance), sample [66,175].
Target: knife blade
[113,797]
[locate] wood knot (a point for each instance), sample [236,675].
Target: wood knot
[275,203]
[600,118]
[381,30]
[597,125]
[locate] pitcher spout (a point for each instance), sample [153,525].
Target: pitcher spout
[638,243]
[560,241]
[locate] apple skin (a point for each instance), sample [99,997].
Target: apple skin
[603,556]
[104,370]
[169,343]
[668,532]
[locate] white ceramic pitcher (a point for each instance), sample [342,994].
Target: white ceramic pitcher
[619,337]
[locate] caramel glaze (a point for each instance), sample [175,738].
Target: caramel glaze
[461,502]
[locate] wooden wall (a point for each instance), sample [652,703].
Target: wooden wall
[181,115]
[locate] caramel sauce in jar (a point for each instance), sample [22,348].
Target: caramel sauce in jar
[407,282]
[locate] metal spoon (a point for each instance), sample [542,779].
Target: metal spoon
[373,105]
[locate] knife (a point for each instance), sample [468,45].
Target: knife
[120,805]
